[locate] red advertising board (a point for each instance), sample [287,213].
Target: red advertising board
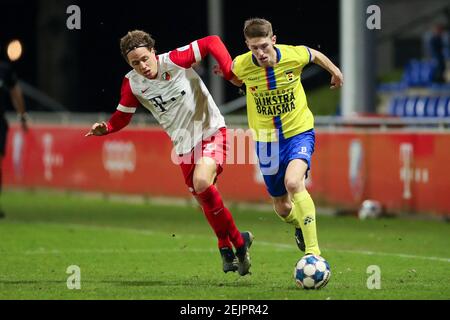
[405,171]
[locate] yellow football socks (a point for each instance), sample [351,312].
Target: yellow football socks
[305,213]
[291,218]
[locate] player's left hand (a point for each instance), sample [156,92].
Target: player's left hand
[337,80]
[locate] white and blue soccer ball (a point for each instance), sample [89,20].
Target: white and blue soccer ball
[312,272]
[370,209]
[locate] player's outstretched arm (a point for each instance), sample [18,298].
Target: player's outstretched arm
[19,104]
[213,45]
[121,117]
[337,79]
[196,51]
[117,121]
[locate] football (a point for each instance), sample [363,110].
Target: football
[312,272]
[370,209]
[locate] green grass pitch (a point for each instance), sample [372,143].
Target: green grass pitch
[160,252]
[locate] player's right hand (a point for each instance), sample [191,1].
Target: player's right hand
[217,71]
[98,129]
[234,80]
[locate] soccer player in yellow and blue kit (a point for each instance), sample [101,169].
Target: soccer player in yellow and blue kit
[282,123]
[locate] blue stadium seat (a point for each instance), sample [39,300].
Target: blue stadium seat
[420,106]
[443,106]
[416,74]
[397,106]
[419,73]
[426,73]
[430,107]
[410,106]
[392,106]
[411,74]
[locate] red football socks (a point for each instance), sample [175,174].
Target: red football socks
[220,218]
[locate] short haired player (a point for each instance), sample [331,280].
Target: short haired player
[282,123]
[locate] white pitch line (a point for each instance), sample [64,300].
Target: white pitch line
[400,255]
[264,243]
[364,252]
[113,251]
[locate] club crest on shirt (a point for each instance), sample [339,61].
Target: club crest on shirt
[166,76]
[289,75]
[253,89]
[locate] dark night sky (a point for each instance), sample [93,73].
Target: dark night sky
[172,24]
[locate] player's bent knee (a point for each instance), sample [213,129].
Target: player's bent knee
[294,186]
[200,185]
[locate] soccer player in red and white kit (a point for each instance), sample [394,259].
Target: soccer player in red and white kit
[173,92]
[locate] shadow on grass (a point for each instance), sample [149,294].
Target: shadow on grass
[22,282]
[137,283]
[196,283]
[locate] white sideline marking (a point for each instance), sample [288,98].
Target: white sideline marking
[364,252]
[113,251]
[281,246]
[400,255]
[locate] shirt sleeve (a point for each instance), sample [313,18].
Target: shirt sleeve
[186,56]
[125,110]
[235,67]
[127,98]
[304,55]
[118,121]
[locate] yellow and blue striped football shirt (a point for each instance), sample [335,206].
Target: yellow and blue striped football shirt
[276,102]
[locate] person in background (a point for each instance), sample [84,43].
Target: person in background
[437,48]
[9,86]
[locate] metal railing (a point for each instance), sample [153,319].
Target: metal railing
[321,122]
